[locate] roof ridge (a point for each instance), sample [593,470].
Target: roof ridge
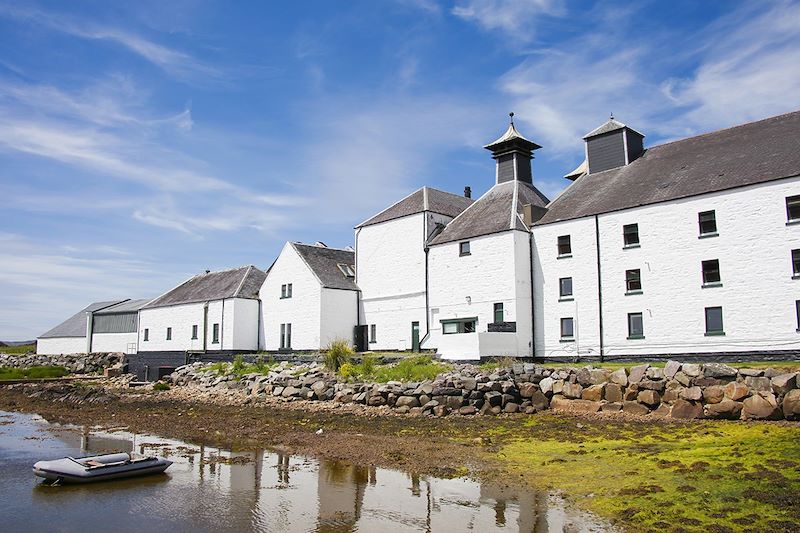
[401,200]
[720,130]
[324,247]
[425,198]
[241,283]
[514,202]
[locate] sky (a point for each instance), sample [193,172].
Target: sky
[144,142]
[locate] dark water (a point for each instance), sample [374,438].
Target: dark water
[211,489]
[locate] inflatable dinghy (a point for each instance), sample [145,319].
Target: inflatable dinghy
[99,468]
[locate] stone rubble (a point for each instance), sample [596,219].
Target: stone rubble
[78,363]
[684,391]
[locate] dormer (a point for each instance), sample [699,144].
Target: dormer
[612,145]
[513,154]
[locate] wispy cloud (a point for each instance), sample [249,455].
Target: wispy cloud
[175,62]
[517,18]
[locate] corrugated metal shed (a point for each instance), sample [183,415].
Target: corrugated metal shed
[242,282]
[749,154]
[75,326]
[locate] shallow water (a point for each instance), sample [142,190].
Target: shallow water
[212,489]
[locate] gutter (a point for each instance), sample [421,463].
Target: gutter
[533,305]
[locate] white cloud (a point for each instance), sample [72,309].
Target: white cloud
[174,62]
[515,17]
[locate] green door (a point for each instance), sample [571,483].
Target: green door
[415,336]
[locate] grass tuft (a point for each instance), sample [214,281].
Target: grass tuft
[33,372]
[338,352]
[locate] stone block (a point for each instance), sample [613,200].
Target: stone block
[727,408]
[719,371]
[593,393]
[613,393]
[493,398]
[662,411]
[683,379]
[655,373]
[650,398]
[407,401]
[574,406]
[637,373]
[572,390]
[511,407]
[753,372]
[467,410]
[671,368]
[620,377]
[784,383]
[611,407]
[653,385]
[526,390]
[546,385]
[634,408]
[693,394]
[791,405]
[692,370]
[539,401]
[631,392]
[714,394]
[759,384]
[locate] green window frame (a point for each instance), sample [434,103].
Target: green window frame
[194,332]
[714,321]
[567,328]
[711,272]
[635,326]
[455,326]
[630,235]
[707,220]
[564,246]
[498,312]
[633,281]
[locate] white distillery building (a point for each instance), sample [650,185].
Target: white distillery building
[99,327]
[690,247]
[392,267]
[211,312]
[309,298]
[480,264]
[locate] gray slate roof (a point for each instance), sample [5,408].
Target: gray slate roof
[242,282]
[494,212]
[608,127]
[749,154]
[424,199]
[324,263]
[75,326]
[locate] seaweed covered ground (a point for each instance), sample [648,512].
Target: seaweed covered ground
[644,475]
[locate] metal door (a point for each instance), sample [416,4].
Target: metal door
[415,336]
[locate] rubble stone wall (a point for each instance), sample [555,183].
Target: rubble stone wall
[79,363]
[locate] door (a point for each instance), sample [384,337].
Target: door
[360,338]
[415,336]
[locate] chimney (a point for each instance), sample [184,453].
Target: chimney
[208,271]
[513,154]
[467,192]
[612,145]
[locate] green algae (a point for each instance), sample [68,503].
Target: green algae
[707,476]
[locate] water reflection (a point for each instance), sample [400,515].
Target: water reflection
[209,489]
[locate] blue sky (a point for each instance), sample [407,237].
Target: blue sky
[143,143]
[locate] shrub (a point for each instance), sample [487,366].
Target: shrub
[417,368]
[337,353]
[367,366]
[238,364]
[161,386]
[348,371]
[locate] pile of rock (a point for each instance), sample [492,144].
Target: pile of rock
[679,390]
[78,363]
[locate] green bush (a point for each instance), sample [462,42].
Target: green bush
[161,386]
[348,371]
[238,364]
[337,353]
[33,372]
[240,368]
[417,368]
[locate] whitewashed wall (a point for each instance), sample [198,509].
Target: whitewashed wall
[302,310]
[182,317]
[497,270]
[61,345]
[757,295]
[390,271]
[245,322]
[113,342]
[339,315]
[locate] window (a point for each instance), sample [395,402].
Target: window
[146,334]
[459,325]
[708,223]
[565,287]
[630,234]
[567,328]
[215,334]
[498,312]
[194,332]
[373,337]
[169,334]
[796,263]
[793,208]
[564,246]
[797,312]
[635,326]
[286,290]
[711,275]
[463,248]
[714,321]
[347,270]
[286,336]
[633,281]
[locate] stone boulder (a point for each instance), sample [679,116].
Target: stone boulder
[539,401]
[637,373]
[650,398]
[620,377]
[758,407]
[714,394]
[719,371]
[467,410]
[692,370]
[407,401]
[613,392]
[759,384]
[611,407]
[736,390]
[546,385]
[593,393]
[671,368]
[574,406]
[572,390]
[686,409]
[791,405]
[634,408]
[784,383]
[693,394]
[727,409]
[526,390]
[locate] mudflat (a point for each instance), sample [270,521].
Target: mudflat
[642,474]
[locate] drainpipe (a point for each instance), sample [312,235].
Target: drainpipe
[205,327]
[533,326]
[258,330]
[89,329]
[222,328]
[599,286]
